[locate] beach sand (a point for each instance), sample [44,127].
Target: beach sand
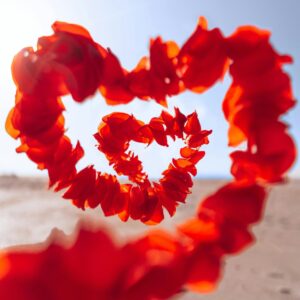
[269,269]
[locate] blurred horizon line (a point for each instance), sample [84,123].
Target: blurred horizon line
[123,178]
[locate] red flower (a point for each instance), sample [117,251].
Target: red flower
[274,154]
[234,207]
[202,59]
[68,61]
[114,82]
[156,77]
[92,267]
[76,57]
[261,92]
[30,122]
[260,89]
[237,202]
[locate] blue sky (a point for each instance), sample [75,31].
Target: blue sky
[126,27]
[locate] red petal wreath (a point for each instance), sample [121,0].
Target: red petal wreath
[160,264]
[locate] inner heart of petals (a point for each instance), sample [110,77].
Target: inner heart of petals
[115,135]
[117,130]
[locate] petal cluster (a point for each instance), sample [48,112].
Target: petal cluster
[258,96]
[92,267]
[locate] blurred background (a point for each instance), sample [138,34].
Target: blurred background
[126,27]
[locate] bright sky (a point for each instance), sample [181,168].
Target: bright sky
[126,26]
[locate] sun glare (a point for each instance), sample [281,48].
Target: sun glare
[19,27]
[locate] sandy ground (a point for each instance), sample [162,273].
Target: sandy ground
[268,270]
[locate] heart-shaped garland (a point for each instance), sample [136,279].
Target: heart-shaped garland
[69,61]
